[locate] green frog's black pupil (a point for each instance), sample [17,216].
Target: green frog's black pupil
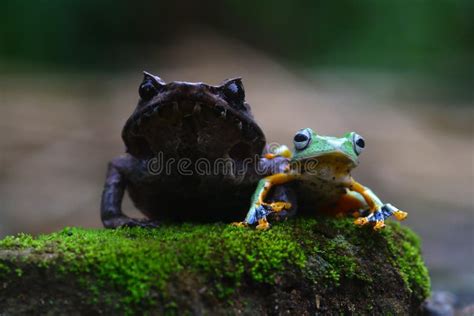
[147,90]
[300,138]
[360,142]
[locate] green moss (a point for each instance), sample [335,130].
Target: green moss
[405,247]
[340,256]
[138,262]
[19,272]
[4,269]
[333,246]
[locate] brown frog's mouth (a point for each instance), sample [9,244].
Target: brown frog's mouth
[192,127]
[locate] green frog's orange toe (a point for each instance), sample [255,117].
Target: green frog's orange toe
[279,206]
[361,221]
[400,215]
[240,224]
[379,225]
[263,224]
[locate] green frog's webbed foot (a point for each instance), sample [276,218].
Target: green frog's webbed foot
[389,210]
[240,224]
[263,224]
[125,221]
[400,215]
[258,214]
[376,218]
[380,215]
[277,206]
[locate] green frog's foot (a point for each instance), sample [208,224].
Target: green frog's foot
[380,215]
[263,224]
[379,225]
[389,210]
[376,217]
[400,215]
[240,224]
[361,221]
[278,206]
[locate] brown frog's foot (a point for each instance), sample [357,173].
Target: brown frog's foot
[125,221]
[278,206]
[240,224]
[263,224]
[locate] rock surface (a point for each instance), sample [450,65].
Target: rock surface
[303,266]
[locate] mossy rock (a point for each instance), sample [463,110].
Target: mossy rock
[302,266]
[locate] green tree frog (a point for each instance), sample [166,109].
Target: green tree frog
[316,177]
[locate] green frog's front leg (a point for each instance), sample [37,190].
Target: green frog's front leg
[259,209]
[378,211]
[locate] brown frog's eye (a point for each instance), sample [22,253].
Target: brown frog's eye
[147,90]
[234,92]
[150,86]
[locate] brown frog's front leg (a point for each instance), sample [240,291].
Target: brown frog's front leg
[111,204]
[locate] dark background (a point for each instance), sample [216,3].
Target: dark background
[398,72]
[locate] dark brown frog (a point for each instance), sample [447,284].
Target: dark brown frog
[190,155]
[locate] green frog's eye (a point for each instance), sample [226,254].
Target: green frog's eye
[359,143]
[302,139]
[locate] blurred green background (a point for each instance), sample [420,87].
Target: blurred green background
[425,37]
[401,73]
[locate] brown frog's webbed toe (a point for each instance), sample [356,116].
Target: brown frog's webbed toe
[125,221]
